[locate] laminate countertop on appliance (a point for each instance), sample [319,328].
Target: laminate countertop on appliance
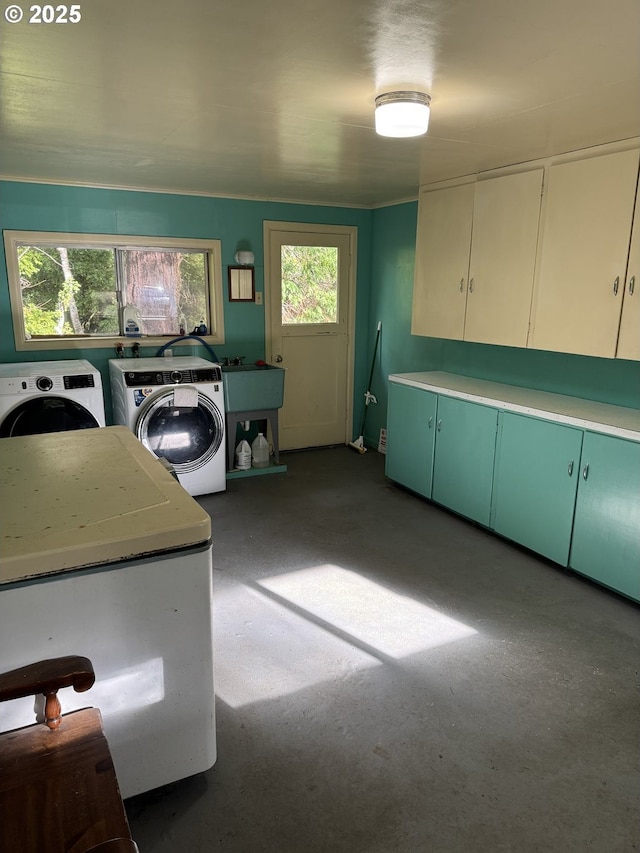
[84,498]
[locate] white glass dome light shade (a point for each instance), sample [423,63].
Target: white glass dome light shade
[402,114]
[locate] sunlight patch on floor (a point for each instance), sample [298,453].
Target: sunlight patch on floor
[264,650]
[312,625]
[393,625]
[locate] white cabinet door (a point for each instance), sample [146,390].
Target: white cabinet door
[585,243]
[503,254]
[629,340]
[442,262]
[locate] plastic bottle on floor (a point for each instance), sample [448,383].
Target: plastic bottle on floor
[260,452]
[243,456]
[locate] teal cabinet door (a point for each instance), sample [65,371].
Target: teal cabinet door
[464,457]
[535,484]
[411,418]
[606,532]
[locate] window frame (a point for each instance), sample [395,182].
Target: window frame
[12,239]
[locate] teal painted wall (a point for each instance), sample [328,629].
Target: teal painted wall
[237,223]
[386,251]
[393,251]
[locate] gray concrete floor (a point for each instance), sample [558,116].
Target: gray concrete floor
[393,678]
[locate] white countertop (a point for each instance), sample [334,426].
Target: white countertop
[574,411]
[85,498]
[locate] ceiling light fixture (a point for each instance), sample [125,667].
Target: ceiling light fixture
[402,114]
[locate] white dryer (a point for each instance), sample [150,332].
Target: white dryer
[175,406]
[50,396]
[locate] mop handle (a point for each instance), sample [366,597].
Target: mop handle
[368,391]
[375,352]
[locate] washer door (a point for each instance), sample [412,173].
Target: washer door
[186,437]
[46,414]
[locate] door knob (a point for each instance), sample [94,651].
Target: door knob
[278,359]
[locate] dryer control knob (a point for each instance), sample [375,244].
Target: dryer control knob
[176,376]
[43,383]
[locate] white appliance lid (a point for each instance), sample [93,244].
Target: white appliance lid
[184,362]
[88,497]
[71,367]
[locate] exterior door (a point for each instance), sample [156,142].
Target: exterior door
[310,291]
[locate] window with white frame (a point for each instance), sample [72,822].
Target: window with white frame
[72,289]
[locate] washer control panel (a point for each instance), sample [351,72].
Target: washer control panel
[145,378]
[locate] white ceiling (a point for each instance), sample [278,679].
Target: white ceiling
[275,99]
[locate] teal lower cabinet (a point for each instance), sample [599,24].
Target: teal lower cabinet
[410,437]
[568,493]
[464,457]
[535,484]
[606,533]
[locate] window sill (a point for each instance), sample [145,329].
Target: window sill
[83,343]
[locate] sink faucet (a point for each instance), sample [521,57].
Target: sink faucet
[238,359]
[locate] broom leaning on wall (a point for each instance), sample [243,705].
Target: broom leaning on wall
[358,444]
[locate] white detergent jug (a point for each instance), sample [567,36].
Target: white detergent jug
[131,321]
[260,452]
[243,456]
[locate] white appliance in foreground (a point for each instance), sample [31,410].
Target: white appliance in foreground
[50,396]
[175,407]
[110,558]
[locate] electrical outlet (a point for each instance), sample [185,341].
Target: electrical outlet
[168,353]
[258,297]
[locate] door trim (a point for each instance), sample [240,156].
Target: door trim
[349,231]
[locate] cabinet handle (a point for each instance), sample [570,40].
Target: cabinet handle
[616,283]
[439,427]
[632,285]
[570,469]
[461,285]
[471,286]
[430,423]
[585,472]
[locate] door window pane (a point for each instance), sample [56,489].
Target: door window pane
[309,277]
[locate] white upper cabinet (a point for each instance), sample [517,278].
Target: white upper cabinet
[475,259]
[503,255]
[629,340]
[585,244]
[442,261]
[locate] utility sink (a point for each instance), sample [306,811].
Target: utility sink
[252,387]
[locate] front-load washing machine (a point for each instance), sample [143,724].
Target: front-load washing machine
[49,396]
[175,406]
